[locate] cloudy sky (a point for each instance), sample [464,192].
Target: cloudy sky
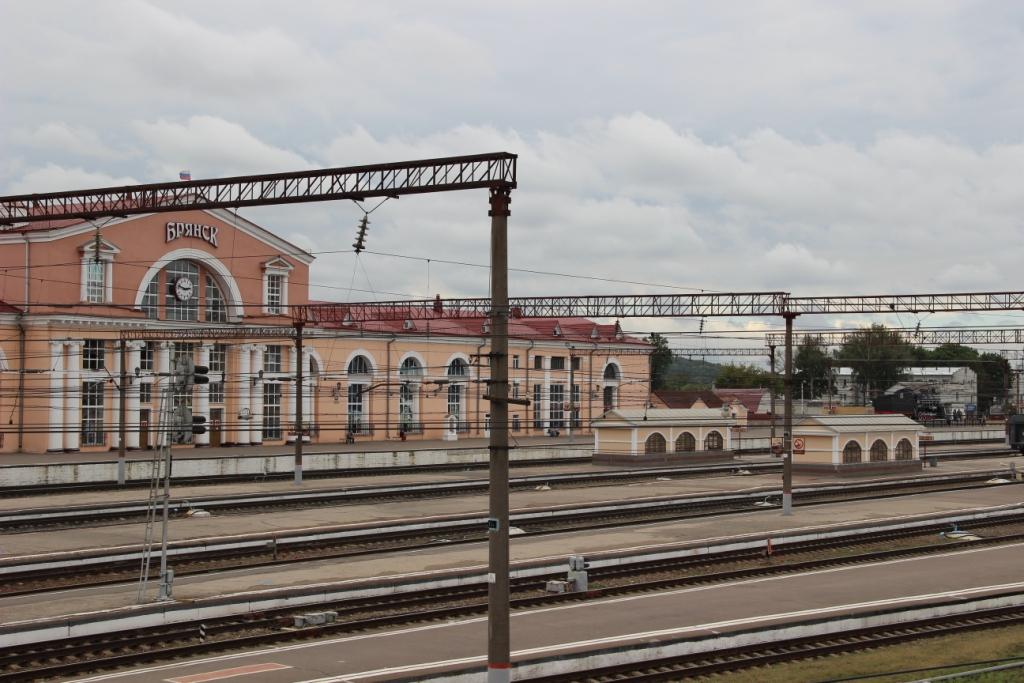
[809,147]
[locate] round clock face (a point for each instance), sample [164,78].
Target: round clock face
[183,289]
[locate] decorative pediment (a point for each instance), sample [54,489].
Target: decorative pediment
[105,247]
[278,264]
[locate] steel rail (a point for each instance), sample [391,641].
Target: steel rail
[361,614]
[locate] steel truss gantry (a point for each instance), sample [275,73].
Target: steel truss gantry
[924,336]
[479,171]
[732,304]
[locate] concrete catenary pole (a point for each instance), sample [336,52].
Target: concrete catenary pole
[787,436]
[498,626]
[299,397]
[122,409]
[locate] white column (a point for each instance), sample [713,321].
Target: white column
[160,383]
[131,439]
[203,397]
[244,382]
[290,404]
[256,430]
[308,383]
[56,436]
[73,389]
[115,371]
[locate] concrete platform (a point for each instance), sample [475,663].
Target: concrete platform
[522,548]
[416,651]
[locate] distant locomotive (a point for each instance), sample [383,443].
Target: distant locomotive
[913,404]
[1015,432]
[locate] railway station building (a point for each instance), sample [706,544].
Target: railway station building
[856,444]
[72,289]
[657,436]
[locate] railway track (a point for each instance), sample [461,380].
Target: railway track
[143,646]
[744,658]
[64,516]
[41,573]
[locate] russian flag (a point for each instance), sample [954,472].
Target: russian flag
[185,175]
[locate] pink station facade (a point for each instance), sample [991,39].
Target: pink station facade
[70,293]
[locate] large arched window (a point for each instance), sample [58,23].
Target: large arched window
[655,443]
[713,442]
[358,386]
[457,369]
[851,453]
[904,450]
[191,293]
[411,373]
[879,451]
[611,371]
[686,442]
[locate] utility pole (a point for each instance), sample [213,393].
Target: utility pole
[771,391]
[499,650]
[122,429]
[787,435]
[298,393]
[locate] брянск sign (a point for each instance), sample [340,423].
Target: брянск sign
[207,233]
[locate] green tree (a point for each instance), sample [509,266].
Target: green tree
[993,378]
[878,357]
[812,368]
[746,377]
[661,361]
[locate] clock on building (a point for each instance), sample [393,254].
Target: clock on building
[183,289]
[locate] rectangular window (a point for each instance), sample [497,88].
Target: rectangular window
[538,362]
[515,390]
[538,416]
[95,282]
[94,354]
[218,356]
[355,409]
[577,362]
[272,411]
[146,357]
[272,358]
[515,423]
[146,393]
[558,362]
[92,414]
[275,290]
[151,299]
[515,362]
[216,392]
[182,350]
[556,413]
[575,405]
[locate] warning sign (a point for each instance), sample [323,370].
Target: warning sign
[798,446]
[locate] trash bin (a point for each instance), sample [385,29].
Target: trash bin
[933,461]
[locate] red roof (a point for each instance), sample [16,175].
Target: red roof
[579,330]
[750,398]
[8,308]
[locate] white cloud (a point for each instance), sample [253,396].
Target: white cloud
[54,178]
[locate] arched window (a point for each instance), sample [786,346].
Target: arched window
[904,450]
[359,365]
[851,452]
[879,451]
[410,368]
[191,293]
[686,442]
[457,368]
[611,371]
[713,442]
[655,444]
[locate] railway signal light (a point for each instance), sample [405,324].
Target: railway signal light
[198,424]
[360,242]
